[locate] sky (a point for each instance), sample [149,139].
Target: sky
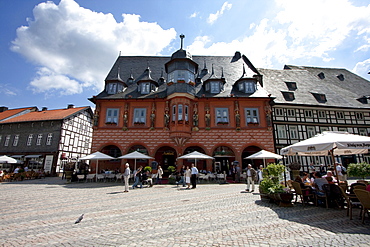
[55,53]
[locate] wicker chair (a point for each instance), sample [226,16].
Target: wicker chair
[350,204]
[302,193]
[364,197]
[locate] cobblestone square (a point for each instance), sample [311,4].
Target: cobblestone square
[43,213]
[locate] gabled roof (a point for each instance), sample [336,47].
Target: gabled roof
[47,115]
[341,87]
[15,112]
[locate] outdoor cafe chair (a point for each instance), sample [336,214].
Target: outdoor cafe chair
[304,194]
[119,176]
[325,196]
[364,197]
[90,177]
[349,203]
[80,177]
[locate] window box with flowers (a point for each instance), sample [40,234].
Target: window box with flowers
[169,83]
[191,83]
[222,123]
[180,81]
[110,123]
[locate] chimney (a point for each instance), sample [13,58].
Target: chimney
[70,106]
[44,109]
[3,108]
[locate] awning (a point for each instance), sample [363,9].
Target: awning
[17,156]
[33,156]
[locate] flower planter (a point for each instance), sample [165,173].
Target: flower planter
[285,199]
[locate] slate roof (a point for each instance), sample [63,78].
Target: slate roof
[13,112]
[231,67]
[341,87]
[58,114]
[337,87]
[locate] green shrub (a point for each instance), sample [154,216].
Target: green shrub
[171,169]
[359,170]
[147,168]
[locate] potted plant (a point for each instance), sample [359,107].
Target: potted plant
[361,170]
[295,167]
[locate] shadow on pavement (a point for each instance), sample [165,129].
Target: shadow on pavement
[333,219]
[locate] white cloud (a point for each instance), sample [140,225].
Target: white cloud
[47,81]
[195,14]
[299,30]
[213,17]
[362,68]
[69,41]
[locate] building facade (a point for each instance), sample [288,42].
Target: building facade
[46,139]
[166,107]
[310,100]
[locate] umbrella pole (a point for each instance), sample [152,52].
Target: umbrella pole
[135,165]
[96,172]
[335,165]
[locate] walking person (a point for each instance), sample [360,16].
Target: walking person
[159,175]
[138,178]
[126,176]
[251,177]
[194,173]
[260,174]
[182,176]
[188,177]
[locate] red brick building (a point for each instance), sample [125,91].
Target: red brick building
[166,107]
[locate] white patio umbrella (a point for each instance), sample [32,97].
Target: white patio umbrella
[263,154]
[7,159]
[330,143]
[135,155]
[97,156]
[196,156]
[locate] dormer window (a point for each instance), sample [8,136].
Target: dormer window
[321,75]
[112,88]
[321,98]
[247,87]
[288,96]
[215,87]
[181,76]
[145,87]
[291,85]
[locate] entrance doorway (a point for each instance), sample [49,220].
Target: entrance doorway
[166,157]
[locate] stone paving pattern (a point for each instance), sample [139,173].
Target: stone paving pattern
[43,213]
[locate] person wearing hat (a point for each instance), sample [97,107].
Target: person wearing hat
[126,176]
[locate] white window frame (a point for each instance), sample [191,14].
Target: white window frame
[49,138]
[112,88]
[215,87]
[251,116]
[222,115]
[281,131]
[112,115]
[29,140]
[290,112]
[359,116]
[250,87]
[171,77]
[15,140]
[145,87]
[180,112]
[321,114]
[241,86]
[308,113]
[279,112]
[139,116]
[7,140]
[339,115]
[186,113]
[311,131]
[39,139]
[293,132]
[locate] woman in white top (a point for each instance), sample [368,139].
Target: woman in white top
[187,177]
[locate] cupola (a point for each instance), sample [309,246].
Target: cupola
[181,68]
[115,85]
